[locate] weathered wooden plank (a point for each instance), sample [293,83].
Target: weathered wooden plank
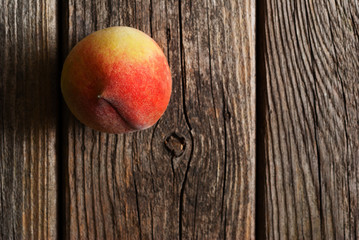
[28,118]
[312,127]
[141,185]
[218,68]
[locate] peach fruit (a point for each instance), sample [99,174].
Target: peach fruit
[117,80]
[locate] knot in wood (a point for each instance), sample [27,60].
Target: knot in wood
[175,144]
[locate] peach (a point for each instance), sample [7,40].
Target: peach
[117,80]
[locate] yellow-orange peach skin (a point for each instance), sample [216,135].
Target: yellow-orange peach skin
[117,80]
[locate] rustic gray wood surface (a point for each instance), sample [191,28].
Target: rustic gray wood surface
[312,121]
[28,118]
[141,185]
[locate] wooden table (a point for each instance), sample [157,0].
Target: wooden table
[260,139]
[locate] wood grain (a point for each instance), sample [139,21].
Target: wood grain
[28,117]
[312,127]
[191,176]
